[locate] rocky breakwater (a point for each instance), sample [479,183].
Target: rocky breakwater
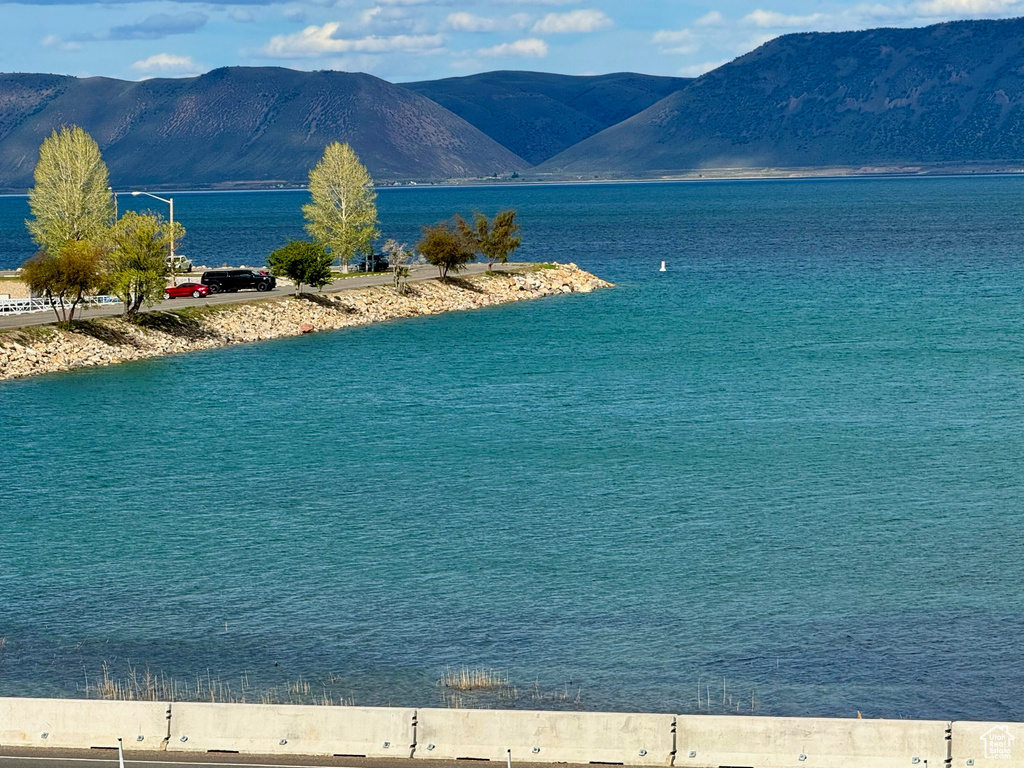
[46,349]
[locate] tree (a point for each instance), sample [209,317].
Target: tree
[67,277]
[302,262]
[398,258]
[446,247]
[342,213]
[71,200]
[136,264]
[496,240]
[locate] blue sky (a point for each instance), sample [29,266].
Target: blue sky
[403,40]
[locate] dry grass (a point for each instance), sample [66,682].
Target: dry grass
[563,696]
[139,685]
[452,700]
[734,697]
[487,688]
[467,679]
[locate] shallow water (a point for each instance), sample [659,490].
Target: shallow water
[792,463]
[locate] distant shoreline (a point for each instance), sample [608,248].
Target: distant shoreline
[823,173]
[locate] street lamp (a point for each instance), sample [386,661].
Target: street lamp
[170,202]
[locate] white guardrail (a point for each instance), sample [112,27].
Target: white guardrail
[10,306]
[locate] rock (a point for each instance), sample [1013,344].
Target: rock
[274,319]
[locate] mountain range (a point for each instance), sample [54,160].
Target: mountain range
[537,115]
[242,125]
[945,95]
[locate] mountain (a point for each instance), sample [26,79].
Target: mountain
[241,125]
[537,115]
[949,93]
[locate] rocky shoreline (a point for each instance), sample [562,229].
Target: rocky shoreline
[46,349]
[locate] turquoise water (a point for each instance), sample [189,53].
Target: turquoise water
[794,463]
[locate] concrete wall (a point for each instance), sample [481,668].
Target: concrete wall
[79,723]
[987,744]
[774,742]
[547,737]
[689,741]
[292,730]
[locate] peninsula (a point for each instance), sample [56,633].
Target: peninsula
[32,350]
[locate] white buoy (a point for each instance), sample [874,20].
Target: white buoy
[663,267]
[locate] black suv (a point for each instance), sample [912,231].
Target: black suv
[375,263]
[225,280]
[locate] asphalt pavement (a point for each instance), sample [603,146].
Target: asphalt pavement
[416,274]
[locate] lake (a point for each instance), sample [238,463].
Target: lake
[788,472]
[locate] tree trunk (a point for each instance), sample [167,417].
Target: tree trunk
[74,305]
[49,295]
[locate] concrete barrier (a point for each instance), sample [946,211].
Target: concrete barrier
[987,744]
[292,730]
[80,723]
[795,742]
[545,737]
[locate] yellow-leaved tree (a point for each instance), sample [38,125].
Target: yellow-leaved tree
[342,213]
[71,200]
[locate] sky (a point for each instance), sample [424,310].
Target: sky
[407,40]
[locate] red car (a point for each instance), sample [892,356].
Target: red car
[195,290]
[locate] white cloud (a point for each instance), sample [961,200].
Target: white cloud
[322,40]
[52,41]
[531,48]
[167,62]
[682,41]
[710,19]
[393,20]
[470,22]
[573,21]
[964,8]
[369,15]
[776,20]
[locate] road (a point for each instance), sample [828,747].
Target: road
[416,274]
[95,758]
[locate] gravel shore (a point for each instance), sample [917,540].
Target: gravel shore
[46,349]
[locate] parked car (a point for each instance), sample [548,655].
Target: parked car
[179,264]
[375,263]
[230,280]
[195,290]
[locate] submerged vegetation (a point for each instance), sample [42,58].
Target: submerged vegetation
[144,685]
[464,688]
[467,679]
[485,688]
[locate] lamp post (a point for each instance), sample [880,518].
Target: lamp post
[170,202]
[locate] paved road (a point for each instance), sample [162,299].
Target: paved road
[417,274]
[60,758]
